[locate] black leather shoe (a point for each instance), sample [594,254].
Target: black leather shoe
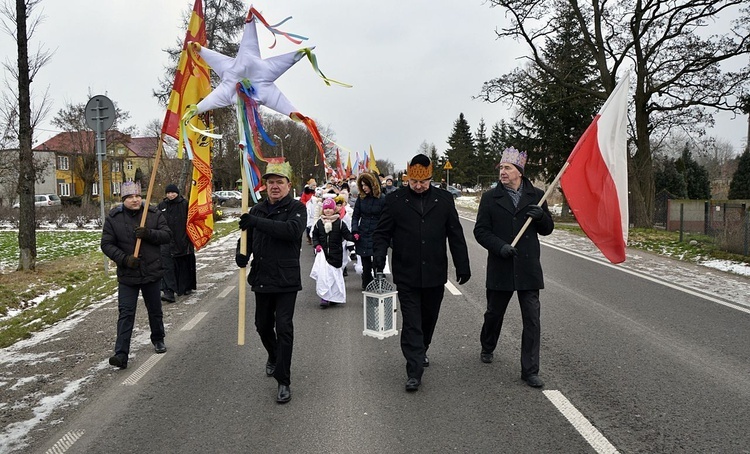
[160,347]
[412,384]
[486,357]
[284,395]
[119,360]
[426,361]
[533,380]
[270,368]
[168,297]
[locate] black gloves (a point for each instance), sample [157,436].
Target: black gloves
[378,263]
[141,232]
[246,221]
[508,251]
[241,260]
[535,212]
[132,261]
[463,278]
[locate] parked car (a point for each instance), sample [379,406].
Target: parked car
[454,192]
[43,201]
[223,196]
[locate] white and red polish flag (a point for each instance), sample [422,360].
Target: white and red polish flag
[595,182]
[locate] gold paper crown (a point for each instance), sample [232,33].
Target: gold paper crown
[277,166]
[419,172]
[515,157]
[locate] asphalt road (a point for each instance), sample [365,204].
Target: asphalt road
[629,364]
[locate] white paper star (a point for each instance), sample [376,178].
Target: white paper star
[248,64]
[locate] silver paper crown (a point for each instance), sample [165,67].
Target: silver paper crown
[515,157]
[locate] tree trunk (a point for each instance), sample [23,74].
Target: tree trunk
[640,168]
[186,174]
[26,175]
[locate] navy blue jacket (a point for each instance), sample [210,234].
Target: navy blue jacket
[365,218]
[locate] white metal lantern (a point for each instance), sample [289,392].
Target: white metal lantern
[379,306]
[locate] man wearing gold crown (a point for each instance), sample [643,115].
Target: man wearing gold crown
[274,238]
[418,219]
[501,215]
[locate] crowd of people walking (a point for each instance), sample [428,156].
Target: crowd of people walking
[358,220]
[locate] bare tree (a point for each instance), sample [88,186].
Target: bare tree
[26,70]
[678,64]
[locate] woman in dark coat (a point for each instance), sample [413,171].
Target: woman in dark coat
[178,257]
[367,211]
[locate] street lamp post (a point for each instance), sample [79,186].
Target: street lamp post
[282,142]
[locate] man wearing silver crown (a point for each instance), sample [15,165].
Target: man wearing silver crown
[501,215]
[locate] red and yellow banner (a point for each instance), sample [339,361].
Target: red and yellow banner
[191,84]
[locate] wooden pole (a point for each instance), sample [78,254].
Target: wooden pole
[551,187]
[159,151]
[243,273]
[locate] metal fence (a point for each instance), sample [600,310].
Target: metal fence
[727,221]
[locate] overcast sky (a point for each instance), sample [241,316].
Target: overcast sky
[414,64]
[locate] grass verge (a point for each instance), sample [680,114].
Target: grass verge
[693,247]
[65,281]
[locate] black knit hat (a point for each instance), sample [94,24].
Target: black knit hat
[171,188]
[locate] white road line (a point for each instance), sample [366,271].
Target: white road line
[141,371]
[581,424]
[66,442]
[226,291]
[191,324]
[652,279]
[452,288]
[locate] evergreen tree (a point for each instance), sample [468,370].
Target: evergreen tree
[554,115]
[739,187]
[485,163]
[496,141]
[461,152]
[668,178]
[696,176]
[437,163]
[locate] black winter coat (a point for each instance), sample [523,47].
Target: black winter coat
[498,223]
[176,213]
[365,218]
[418,225]
[118,242]
[333,241]
[275,240]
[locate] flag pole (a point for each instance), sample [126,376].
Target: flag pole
[159,151]
[551,187]
[243,251]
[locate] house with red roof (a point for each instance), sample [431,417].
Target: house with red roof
[77,169]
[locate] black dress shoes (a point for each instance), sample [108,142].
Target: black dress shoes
[119,360]
[486,357]
[533,380]
[412,384]
[284,395]
[426,361]
[168,296]
[160,347]
[270,368]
